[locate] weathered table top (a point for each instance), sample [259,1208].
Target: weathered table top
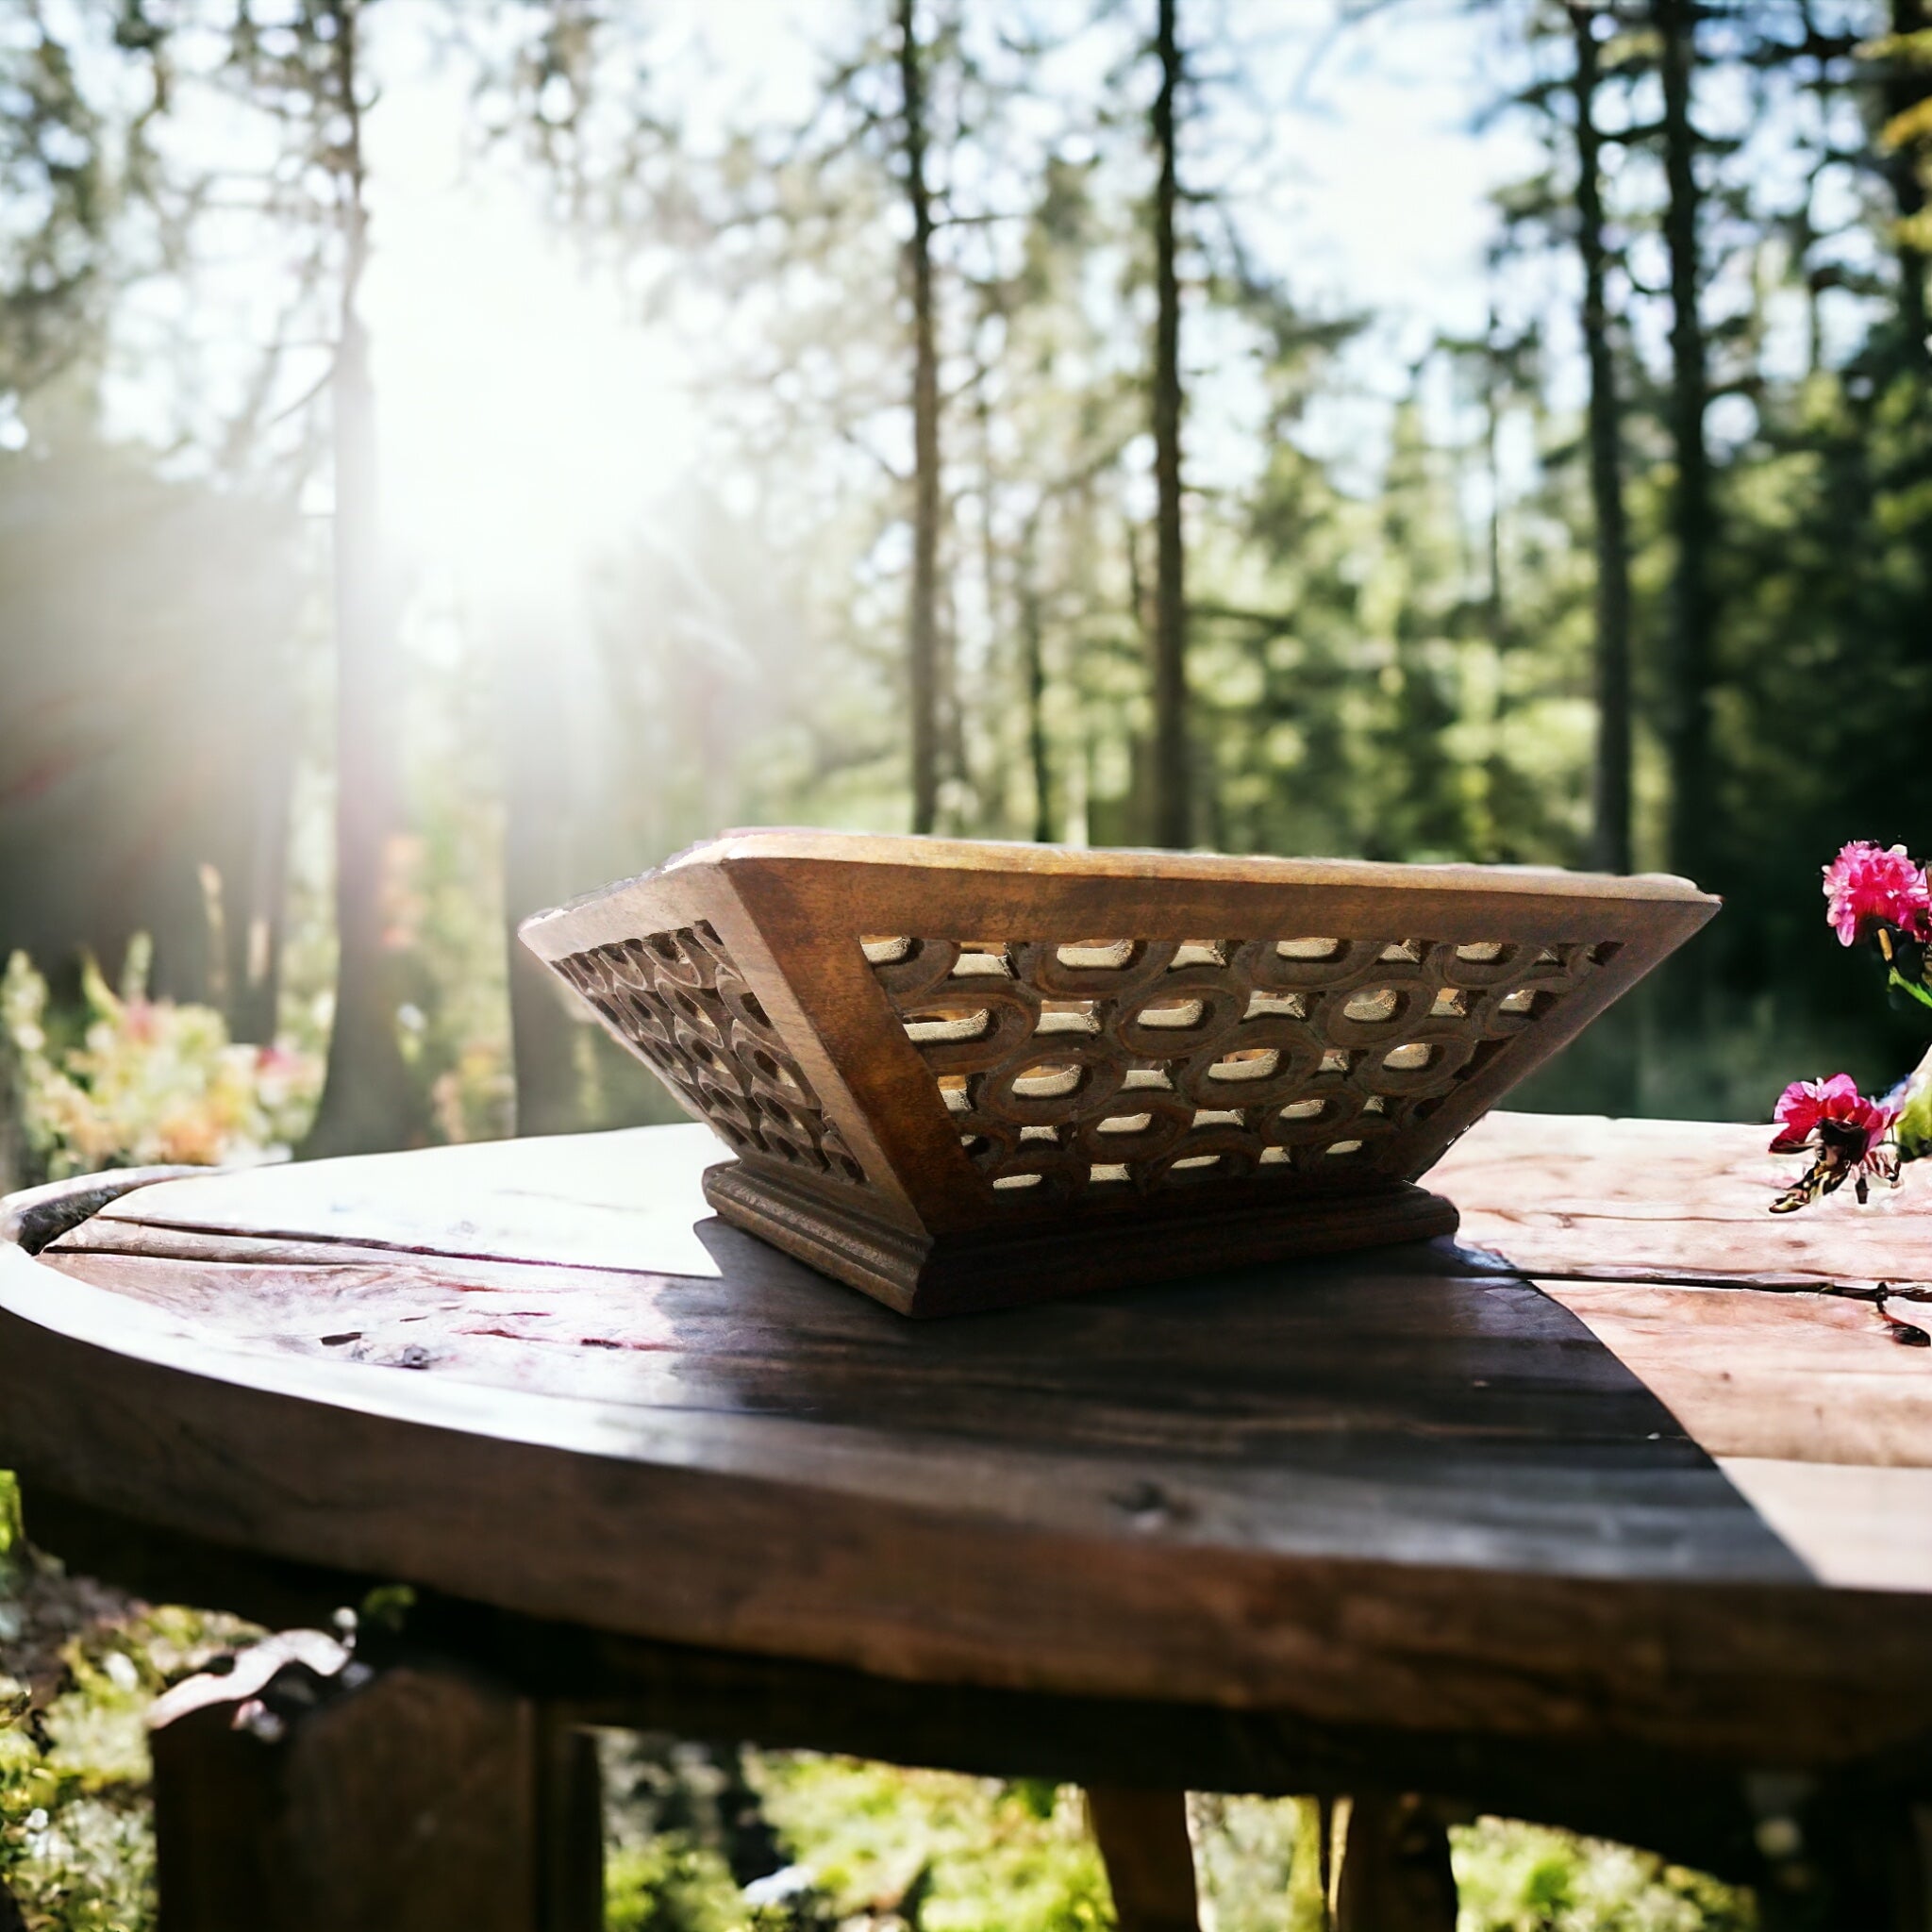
[1618,1466]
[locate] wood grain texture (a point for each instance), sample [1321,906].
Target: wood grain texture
[1400,1490]
[1760,1335]
[951,1038]
[1814,1378]
[573,1200]
[1393,1414]
[35,1216]
[1567,1196]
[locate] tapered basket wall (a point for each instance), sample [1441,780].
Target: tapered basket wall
[958,1074]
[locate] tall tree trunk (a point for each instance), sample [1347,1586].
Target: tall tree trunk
[1610,840]
[1033,643]
[1494,371]
[537,767]
[955,760]
[995,784]
[255,940]
[1136,825]
[1493,466]
[1172,817]
[1907,82]
[367,1099]
[1692,599]
[922,618]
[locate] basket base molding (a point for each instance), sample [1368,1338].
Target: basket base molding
[953,1274]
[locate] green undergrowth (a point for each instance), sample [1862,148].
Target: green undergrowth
[79,1665]
[946,1853]
[1526,1879]
[862,1847]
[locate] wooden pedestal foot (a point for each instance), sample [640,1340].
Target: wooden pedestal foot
[1150,1861]
[419,1800]
[953,1274]
[1395,1874]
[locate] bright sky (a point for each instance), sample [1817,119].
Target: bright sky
[1393,211]
[525,415]
[529,417]
[526,419]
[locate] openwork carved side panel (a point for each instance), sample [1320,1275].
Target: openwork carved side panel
[1137,1064]
[687,1012]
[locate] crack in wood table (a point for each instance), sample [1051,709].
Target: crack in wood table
[1614,1512]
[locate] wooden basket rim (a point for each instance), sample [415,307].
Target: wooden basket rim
[977,856]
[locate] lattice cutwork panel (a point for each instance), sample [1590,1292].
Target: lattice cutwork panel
[686,1010]
[1136,1065]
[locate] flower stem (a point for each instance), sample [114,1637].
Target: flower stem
[1921,993]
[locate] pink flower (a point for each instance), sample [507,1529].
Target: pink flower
[1867,883]
[1851,1134]
[1832,1108]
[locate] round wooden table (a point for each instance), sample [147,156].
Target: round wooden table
[1615,1513]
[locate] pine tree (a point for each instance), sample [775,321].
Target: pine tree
[1694,608]
[1172,814]
[1610,805]
[368,1098]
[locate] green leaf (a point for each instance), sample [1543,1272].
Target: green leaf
[1914,1128]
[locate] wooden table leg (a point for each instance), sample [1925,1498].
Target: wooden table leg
[1149,1858]
[1395,1874]
[570,1875]
[424,1800]
[1849,1861]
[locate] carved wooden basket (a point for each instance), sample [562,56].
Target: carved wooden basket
[959,1076]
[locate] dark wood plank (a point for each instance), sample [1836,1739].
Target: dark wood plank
[558,1513]
[1758,1333]
[1412,1415]
[1807,1402]
[412,1804]
[1423,1496]
[1673,1804]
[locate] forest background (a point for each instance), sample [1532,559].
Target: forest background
[454,454]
